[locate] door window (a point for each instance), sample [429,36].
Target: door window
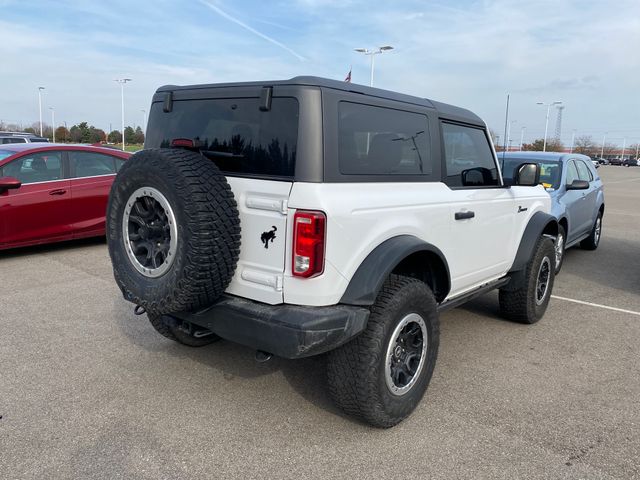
[469,160]
[39,167]
[89,164]
[572,172]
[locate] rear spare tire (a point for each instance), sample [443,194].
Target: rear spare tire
[173,230]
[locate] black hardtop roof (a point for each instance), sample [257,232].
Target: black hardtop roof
[443,108]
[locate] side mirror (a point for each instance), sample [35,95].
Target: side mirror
[578,185]
[527,175]
[8,183]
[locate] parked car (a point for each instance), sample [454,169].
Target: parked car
[20,137]
[631,162]
[602,161]
[615,161]
[306,216]
[576,192]
[595,163]
[54,192]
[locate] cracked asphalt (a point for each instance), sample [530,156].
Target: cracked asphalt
[88,390]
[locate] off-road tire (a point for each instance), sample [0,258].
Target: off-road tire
[521,305]
[561,234]
[208,230]
[593,240]
[178,335]
[356,371]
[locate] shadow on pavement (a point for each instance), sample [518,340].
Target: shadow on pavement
[52,247]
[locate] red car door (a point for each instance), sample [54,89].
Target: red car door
[38,211]
[91,177]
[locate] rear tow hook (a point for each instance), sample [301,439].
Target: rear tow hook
[139,310]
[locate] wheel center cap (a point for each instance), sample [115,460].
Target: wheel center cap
[143,232]
[397,351]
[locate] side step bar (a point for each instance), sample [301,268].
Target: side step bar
[457,301]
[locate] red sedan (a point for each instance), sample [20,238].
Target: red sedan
[54,192]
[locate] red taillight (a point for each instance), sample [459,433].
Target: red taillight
[308,243]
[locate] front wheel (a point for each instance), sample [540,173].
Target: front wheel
[381,375]
[528,303]
[559,244]
[593,240]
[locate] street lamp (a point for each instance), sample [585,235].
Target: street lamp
[53,124]
[122,81]
[602,150]
[373,53]
[144,119]
[573,137]
[40,106]
[546,124]
[522,136]
[509,134]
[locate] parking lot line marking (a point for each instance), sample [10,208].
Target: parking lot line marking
[596,305]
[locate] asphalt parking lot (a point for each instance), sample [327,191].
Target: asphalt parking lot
[88,390]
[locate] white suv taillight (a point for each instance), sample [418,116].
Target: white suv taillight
[308,243]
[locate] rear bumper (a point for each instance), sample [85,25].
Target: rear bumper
[289,331]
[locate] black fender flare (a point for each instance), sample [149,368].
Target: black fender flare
[367,281]
[540,224]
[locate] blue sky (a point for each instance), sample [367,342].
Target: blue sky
[469,53]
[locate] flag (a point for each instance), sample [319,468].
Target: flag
[348,78]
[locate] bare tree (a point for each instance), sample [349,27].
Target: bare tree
[585,145]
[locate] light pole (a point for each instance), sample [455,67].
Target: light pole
[144,119]
[522,136]
[602,150]
[40,106]
[53,124]
[624,144]
[373,53]
[122,81]
[573,137]
[511,122]
[546,124]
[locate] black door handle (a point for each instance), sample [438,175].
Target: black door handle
[464,215]
[60,191]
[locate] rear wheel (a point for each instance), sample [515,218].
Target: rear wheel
[381,375]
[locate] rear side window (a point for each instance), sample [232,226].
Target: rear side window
[234,133]
[382,141]
[89,164]
[469,160]
[583,171]
[35,168]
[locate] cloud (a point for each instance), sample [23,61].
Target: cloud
[251,29]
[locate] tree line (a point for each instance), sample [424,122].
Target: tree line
[80,133]
[584,144]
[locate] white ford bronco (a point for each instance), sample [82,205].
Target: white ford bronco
[308,216]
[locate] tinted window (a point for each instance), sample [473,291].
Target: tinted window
[234,133]
[572,173]
[13,140]
[41,167]
[89,164]
[583,171]
[382,141]
[38,140]
[119,163]
[468,157]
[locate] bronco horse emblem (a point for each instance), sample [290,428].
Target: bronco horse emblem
[269,236]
